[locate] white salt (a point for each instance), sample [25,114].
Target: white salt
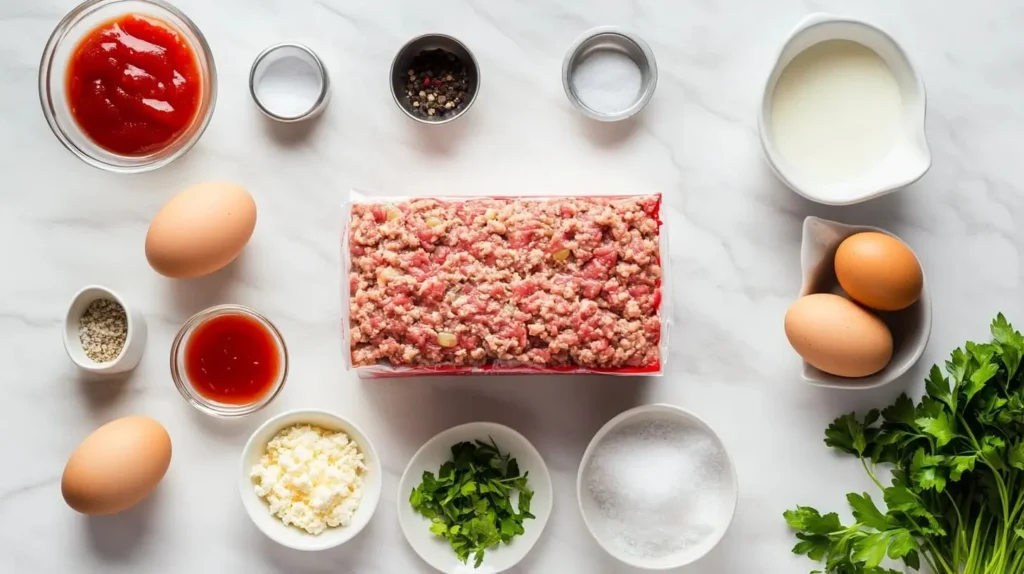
[289,87]
[661,487]
[607,81]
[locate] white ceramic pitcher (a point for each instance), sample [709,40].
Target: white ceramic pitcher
[909,158]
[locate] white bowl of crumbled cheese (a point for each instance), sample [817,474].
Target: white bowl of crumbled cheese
[310,479]
[656,487]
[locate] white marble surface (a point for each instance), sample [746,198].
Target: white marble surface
[735,268]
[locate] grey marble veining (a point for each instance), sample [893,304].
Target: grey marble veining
[734,234]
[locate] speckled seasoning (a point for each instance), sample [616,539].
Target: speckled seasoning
[543,283]
[103,330]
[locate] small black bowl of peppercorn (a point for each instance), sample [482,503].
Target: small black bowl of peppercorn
[434,78]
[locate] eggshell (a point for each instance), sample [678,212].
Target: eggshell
[116,466]
[200,230]
[879,271]
[838,336]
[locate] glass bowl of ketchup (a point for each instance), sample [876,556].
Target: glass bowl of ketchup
[127,85]
[229,361]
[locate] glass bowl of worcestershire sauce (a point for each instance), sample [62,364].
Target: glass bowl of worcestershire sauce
[229,361]
[127,85]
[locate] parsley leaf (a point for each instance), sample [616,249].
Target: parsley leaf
[902,411]
[469,501]
[942,427]
[846,433]
[937,386]
[809,520]
[865,511]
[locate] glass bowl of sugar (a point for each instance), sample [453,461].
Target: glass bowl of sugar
[656,487]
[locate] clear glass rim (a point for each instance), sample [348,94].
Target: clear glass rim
[180,146]
[214,408]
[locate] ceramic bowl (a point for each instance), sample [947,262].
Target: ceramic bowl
[909,158]
[290,536]
[435,550]
[592,514]
[134,344]
[911,327]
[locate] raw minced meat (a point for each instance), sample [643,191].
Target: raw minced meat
[566,282]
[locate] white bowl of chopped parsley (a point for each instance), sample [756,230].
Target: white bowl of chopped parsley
[475,498]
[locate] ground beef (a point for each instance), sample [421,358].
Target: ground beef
[566,282]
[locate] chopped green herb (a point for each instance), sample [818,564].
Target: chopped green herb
[469,501]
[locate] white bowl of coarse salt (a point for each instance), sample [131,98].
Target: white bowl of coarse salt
[656,487]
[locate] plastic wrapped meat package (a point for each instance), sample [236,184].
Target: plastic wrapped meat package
[504,285]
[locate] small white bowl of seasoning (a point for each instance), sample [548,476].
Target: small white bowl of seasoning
[842,118]
[289,83]
[665,523]
[102,334]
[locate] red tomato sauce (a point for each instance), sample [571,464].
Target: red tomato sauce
[133,85]
[232,359]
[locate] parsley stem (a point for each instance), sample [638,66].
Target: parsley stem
[931,564]
[871,474]
[959,537]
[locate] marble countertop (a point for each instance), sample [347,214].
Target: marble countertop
[734,261]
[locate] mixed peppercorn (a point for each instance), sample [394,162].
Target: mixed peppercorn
[437,85]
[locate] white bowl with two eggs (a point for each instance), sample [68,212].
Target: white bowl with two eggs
[842,119]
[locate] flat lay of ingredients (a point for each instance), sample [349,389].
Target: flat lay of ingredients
[558,281]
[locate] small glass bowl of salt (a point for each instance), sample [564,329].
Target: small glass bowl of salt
[656,487]
[289,83]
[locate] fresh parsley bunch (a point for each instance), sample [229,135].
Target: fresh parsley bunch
[470,499]
[956,499]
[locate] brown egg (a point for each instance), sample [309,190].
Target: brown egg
[838,336]
[879,271]
[116,466]
[200,230]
